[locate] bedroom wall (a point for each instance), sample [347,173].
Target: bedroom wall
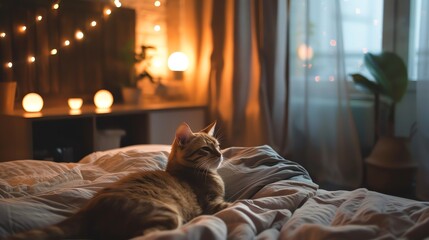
[34,52]
[177,31]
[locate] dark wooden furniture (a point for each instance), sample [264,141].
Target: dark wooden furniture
[61,135]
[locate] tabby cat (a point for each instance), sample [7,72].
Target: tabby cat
[152,200]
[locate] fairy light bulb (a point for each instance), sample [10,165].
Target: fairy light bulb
[93,24]
[54,51]
[107,11]
[31,59]
[55,6]
[9,65]
[22,28]
[66,43]
[79,35]
[117,3]
[39,18]
[2,35]
[157,3]
[157,28]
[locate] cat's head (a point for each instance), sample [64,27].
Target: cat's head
[196,149]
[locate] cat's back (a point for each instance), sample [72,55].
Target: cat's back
[150,184]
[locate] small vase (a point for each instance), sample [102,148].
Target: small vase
[130,95]
[7,97]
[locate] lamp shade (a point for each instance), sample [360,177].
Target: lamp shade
[103,99]
[178,61]
[32,102]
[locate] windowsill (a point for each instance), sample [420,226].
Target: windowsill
[412,86]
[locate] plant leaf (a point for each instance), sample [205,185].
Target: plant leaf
[364,82]
[390,73]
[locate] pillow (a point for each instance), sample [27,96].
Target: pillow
[246,170]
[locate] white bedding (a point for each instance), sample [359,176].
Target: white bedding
[273,198]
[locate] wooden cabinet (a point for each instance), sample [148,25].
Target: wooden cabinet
[60,135]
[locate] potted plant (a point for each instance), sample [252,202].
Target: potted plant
[140,63]
[390,167]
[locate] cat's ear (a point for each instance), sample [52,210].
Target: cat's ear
[210,129]
[183,134]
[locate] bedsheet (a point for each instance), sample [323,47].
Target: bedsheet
[273,198]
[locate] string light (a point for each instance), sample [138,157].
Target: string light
[107,11]
[117,3]
[157,3]
[79,35]
[22,28]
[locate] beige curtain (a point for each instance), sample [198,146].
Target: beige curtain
[242,52]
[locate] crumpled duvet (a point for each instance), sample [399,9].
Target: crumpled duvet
[273,198]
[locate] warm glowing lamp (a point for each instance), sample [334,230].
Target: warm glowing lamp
[32,102]
[75,103]
[103,99]
[178,63]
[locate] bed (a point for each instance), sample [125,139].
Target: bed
[273,198]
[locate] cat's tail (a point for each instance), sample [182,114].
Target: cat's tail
[69,228]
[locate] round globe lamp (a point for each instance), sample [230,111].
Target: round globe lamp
[178,63]
[103,99]
[32,102]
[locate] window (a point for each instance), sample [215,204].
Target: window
[415,50]
[362,31]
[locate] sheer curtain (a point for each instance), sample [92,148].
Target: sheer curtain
[322,134]
[251,82]
[422,104]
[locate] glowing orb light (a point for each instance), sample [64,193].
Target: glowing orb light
[75,103]
[178,61]
[103,99]
[32,102]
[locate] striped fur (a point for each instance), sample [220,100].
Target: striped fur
[152,200]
